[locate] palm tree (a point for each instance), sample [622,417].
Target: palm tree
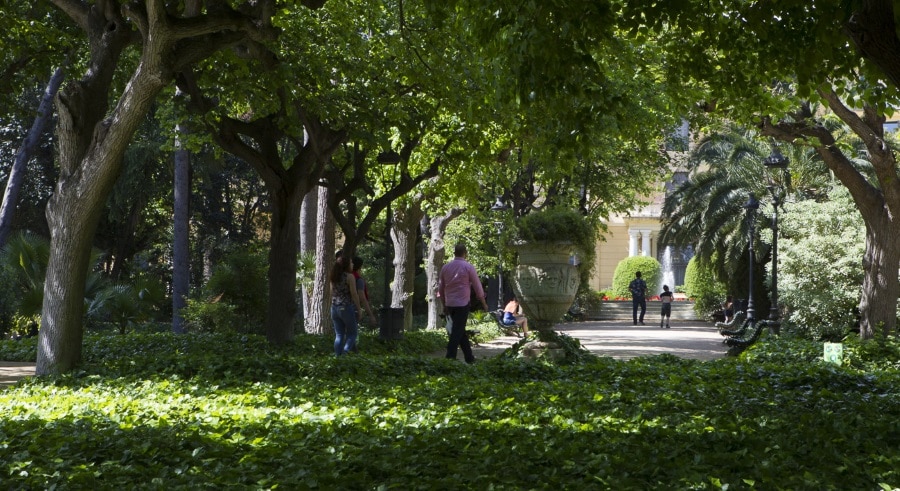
[707,211]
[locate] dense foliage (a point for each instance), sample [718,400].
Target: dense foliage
[701,285]
[820,267]
[183,412]
[649,268]
[234,298]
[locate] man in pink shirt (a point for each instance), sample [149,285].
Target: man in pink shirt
[457,281]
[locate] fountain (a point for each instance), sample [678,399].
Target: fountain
[668,272]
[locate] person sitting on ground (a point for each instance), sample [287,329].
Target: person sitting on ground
[512,316]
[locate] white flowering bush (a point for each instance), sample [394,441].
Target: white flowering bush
[820,266]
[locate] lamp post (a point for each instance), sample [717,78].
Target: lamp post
[391,319]
[499,206]
[751,206]
[773,162]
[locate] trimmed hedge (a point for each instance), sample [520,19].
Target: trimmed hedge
[650,271]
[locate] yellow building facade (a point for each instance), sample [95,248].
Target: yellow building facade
[637,234]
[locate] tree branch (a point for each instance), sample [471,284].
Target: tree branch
[76,10]
[873,30]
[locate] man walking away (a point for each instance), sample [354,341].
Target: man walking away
[638,290]
[457,280]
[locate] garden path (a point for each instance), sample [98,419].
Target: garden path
[621,340]
[13,371]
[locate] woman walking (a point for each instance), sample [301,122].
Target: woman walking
[345,311]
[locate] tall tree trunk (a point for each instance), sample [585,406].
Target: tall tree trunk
[434,261]
[878,203]
[24,154]
[880,288]
[181,212]
[90,155]
[308,213]
[404,235]
[181,259]
[92,141]
[284,234]
[286,188]
[319,318]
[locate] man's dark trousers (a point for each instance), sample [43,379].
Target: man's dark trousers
[459,316]
[635,303]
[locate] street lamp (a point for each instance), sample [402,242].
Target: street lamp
[387,158]
[499,206]
[773,162]
[751,206]
[391,319]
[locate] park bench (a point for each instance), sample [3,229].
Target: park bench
[735,327]
[509,330]
[749,335]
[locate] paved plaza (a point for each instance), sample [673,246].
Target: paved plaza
[622,340]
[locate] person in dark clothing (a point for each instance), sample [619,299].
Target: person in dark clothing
[638,289]
[666,298]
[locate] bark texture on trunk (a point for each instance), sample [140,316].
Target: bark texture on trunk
[878,203]
[284,234]
[308,213]
[181,261]
[319,318]
[434,261]
[880,288]
[404,235]
[90,154]
[92,139]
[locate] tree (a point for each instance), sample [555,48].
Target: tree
[434,228]
[318,320]
[706,212]
[820,272]
[93,135]
[181,265]
[731,58]
[752,37]
[26,150]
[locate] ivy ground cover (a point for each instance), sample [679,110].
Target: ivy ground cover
[216,412]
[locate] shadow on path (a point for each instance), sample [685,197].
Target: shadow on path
[622,340]
[13,371]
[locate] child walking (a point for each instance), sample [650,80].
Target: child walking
[666,298]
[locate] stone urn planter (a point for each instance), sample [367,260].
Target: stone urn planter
[545,282]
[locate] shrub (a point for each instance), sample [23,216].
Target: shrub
[237,296]
[820,271]
[701,285]
[650,271]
